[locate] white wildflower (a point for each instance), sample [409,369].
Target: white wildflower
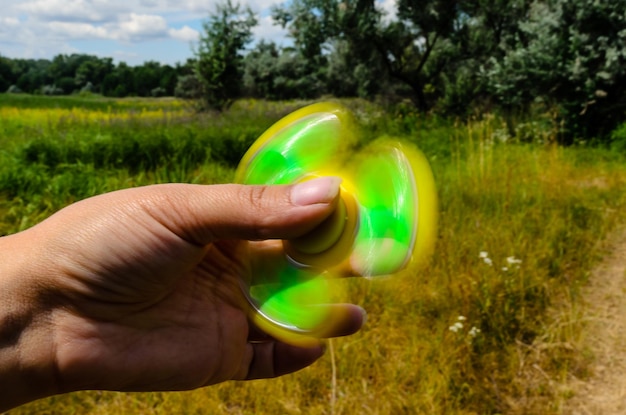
[512,260]
[483,254]
[474,331]
[456,327]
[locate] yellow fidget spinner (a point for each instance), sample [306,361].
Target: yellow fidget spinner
[385,218]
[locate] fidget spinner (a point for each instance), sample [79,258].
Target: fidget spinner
[385,218]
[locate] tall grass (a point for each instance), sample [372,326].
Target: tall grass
[486,328]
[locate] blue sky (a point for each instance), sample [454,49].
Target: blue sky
[133,31]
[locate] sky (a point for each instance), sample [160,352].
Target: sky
[132,31]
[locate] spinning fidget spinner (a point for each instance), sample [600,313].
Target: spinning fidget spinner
[385,218]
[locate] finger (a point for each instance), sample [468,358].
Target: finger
[203,214]
[272,359]
[343,320]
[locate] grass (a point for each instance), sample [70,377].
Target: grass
[481,330]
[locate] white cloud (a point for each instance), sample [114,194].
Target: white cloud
[70,10]
[151,4]
[141,26]
[203,8]
[71,30]
[9,22]
[8,27]
[266,29]
[133,28]
[185,34]
[389,7]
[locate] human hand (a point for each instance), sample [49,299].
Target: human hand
[139,290]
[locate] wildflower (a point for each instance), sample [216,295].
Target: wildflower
[484,255]
[512,260]
[474,331]
[505,269]
[461,318]
[456,327]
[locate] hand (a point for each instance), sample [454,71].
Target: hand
[139,290]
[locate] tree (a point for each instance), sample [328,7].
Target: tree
[188,87]
[260,70]
[353,72]
[320,29]
[93,71]
[66,66]
[275,73]
[6,74]
[571,54]
[146,77]
[405,49]
[483,29]
[119,82]
[219,55]
[168,79]
[33,74]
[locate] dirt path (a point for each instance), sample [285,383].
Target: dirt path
[604,393]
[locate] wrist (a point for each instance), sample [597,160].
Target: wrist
[27,364]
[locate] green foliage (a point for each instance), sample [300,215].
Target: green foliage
[5,73]
[618,139]
[188,87]
[367,50]
[68,74]
[279,74]
[570,54]
[52,90]
[260,70]
[14,89]
[93,71]
[219,65]
[334,42]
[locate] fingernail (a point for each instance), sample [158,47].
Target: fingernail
[320,190]
[364,316]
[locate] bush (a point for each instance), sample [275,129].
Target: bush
[51,90]
[158,92]
[88,88]
[14,89]
[188,87]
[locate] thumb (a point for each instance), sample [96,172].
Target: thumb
[201,214]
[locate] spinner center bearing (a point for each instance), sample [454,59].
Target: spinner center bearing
[330,242]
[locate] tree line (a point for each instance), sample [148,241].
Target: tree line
[452,57]
[75,73]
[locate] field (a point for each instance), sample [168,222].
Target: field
[491,326]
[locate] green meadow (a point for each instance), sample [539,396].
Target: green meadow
[490,326]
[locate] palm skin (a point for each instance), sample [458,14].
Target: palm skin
[141,288]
